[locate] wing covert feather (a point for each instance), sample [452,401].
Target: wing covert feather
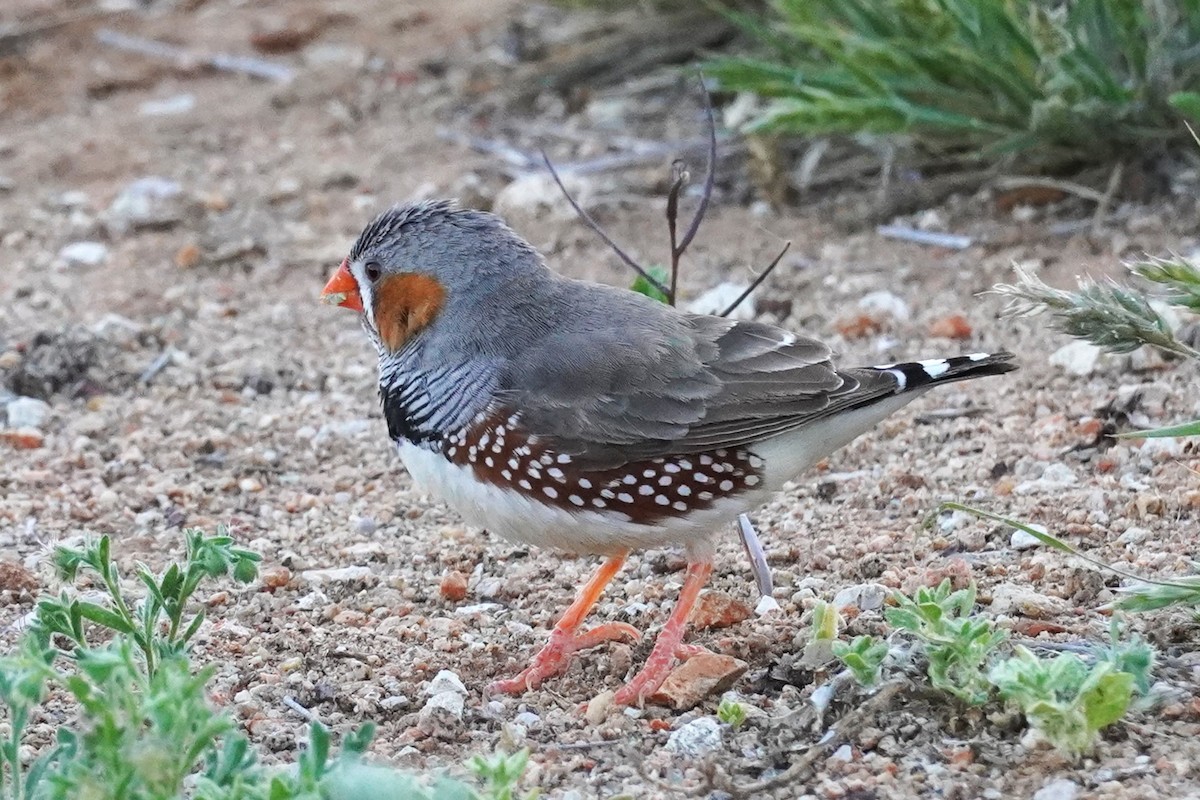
[672,383]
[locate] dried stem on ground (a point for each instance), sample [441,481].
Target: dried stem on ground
[855,720]
[678,247]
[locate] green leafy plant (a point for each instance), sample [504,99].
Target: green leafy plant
[1067,700]
[500,773]
[825,620]
[23,678]
[1062,697]
[145,733]
[864,657]
[146,729]
[818,651]
[731,712]
[1053,82]
[957,643]
[661,277]
[1134,656]
[165,605]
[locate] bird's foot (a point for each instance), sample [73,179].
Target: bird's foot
[651,677]
[556,655]
[669,646]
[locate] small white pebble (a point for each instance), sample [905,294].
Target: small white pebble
[766,605]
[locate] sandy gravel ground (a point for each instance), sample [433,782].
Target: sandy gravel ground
[198,383]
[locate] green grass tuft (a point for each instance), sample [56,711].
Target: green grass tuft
[1055,83]
[1143,594]
[1110,315]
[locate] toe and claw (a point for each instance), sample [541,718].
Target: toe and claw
[566,639]
[556,655]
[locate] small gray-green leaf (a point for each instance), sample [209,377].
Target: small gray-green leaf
[102,616]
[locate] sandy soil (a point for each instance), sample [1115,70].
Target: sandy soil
[260,414]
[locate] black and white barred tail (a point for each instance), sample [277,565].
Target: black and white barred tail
[912,375]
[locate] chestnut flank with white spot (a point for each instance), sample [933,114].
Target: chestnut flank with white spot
[644,492]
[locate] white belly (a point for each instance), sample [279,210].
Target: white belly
[519,518]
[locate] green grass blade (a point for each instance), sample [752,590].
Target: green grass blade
[1053,83]
[1054,542]
[1186,429]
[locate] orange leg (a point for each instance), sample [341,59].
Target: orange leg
[669,645]
[565,639]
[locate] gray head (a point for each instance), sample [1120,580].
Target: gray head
[433,265]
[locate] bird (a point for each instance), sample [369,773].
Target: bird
[591,419]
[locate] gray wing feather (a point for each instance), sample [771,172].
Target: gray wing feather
[672,383]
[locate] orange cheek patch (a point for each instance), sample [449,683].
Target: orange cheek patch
[404,304]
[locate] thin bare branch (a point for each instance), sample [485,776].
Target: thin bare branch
[1110,191]
[164,51]
[710,171]
[681,179]
[595,226]
[1009,182]
[757,281]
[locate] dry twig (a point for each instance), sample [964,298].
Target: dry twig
[702,789]
[854,720]
[679,246]
[950,241]
[756,555]
[1011,182]
[306,714]
[754,284]
[595,226]
[14,38]
[152,48]
[1110,191]
[639,44]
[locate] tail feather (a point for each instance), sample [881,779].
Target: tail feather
[912,375]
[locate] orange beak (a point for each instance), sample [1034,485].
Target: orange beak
[342,289]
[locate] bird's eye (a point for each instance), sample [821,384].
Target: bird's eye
[373,271]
